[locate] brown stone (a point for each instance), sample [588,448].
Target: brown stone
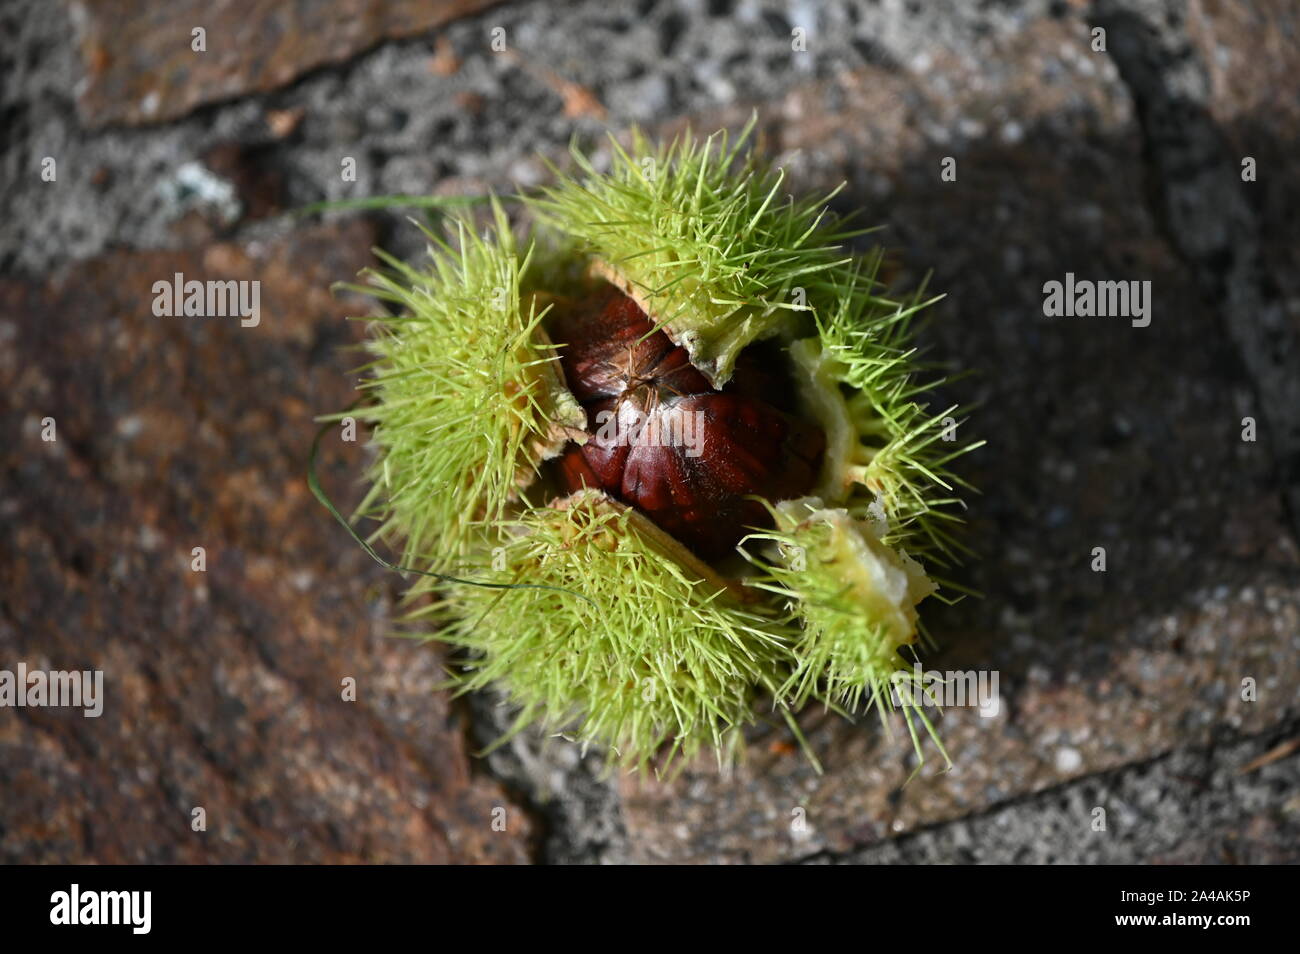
[224,688]
[141,67]
[250,169]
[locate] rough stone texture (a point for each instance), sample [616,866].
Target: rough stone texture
[411,125]
[574,805]
[223,688]
[1199,126]
[141,65]
[1251,56]
[1100,434]
[1120,689]
[1193,807]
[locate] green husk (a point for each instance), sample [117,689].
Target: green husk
[467,398]
[624,639]
[663,659]
[703,237]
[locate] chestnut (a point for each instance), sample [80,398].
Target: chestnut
[701,493]
[659,457]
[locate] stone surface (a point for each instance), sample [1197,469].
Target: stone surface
[141,64]
[1101,434]
[409,121]
[224,688]
[1222,167]
[1205,806]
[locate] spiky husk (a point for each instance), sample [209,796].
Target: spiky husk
[888,455]
[467,398]
[856,599]
[620,637]
[639,647]
[703,237]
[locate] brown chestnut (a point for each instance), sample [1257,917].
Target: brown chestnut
[661,439]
